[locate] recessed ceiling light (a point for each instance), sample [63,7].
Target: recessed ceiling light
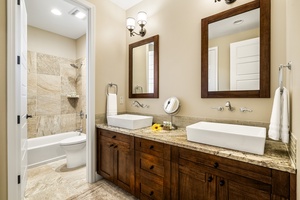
[240,21]
[55,11]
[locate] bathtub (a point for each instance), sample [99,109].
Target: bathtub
[46,149]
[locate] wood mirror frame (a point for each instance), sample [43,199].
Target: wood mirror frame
[155,93]
[265,30]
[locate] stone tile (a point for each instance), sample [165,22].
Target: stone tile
[48,125]
[47,64]
[31,85]
[31,62]
[68,105]
[48,105]
[48,85]
[66,70]
[68,85]
[32,127]
[31,106]
[55,181]
[68,122]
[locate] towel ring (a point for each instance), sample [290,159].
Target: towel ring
[288,66]
[110,85]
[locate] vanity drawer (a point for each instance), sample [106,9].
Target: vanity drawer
[115,136]
[151,186]
[151,164]
[153,148]
[235,167]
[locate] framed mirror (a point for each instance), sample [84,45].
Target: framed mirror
[143,68]
[235,52]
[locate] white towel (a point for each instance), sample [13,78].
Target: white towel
[111,105]
[279,122]
[285,119]
[274,128]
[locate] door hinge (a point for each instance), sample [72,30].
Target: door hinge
[18,60]
[19,179]
[18,2]
[18,119]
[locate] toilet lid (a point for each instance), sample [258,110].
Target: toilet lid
[74,140]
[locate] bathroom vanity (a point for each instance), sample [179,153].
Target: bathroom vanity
[164,165]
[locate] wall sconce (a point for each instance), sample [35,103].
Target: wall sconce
[141,20]
[226,1]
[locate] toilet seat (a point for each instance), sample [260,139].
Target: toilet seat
[73,140]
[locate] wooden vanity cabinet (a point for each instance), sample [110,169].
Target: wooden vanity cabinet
[197,175]
[152,163]
[115,158]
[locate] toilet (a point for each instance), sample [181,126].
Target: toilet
[75,148]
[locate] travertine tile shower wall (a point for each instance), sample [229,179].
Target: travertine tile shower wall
[50,80]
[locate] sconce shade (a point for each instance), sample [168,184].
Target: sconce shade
[130,23]
[142,18]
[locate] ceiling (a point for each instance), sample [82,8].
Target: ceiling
[250,20]
[39,15]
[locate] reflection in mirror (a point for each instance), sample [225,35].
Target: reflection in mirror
[233,55]
[235,62]
[143,68]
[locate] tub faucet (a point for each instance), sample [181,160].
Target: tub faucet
[228,104]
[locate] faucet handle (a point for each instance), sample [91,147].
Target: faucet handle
[219,108]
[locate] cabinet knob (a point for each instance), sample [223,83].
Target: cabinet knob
[114,136]
[216,165]
[116,146]
[222,182]
[151,147]
[151,193]
[210,179]
[111,145]
[152,166]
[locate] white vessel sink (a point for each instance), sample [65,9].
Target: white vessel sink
[129,121]
[238,137]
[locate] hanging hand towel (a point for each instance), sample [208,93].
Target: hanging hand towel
[274,128]
[285,121]
[111,105]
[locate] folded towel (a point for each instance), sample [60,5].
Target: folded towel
[285,113]
[111,105]
[274,128]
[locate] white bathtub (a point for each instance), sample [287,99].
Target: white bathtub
[46,149]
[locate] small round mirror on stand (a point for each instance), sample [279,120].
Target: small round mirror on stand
[171,107]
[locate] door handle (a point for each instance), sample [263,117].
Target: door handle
[28,116]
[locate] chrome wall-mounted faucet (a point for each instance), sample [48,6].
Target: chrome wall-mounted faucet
[138,104]
[228,105]
[244,109]
[219,108]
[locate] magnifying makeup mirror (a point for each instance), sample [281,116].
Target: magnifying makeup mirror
[171,107]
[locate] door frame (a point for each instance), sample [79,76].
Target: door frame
[12,101]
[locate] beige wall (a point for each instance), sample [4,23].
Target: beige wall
[293,49]
[110,52]
[3,137]
[223,44]
[178,24]
[50,43]
[81,47]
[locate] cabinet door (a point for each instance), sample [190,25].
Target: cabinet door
[195,185]
[105,163]
[240,191]
[124,166]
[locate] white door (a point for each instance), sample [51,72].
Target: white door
[213,69]
[22,69]
[244,65]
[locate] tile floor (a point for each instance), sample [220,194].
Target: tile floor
[55,181]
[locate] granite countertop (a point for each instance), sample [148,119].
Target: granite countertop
[275,157]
